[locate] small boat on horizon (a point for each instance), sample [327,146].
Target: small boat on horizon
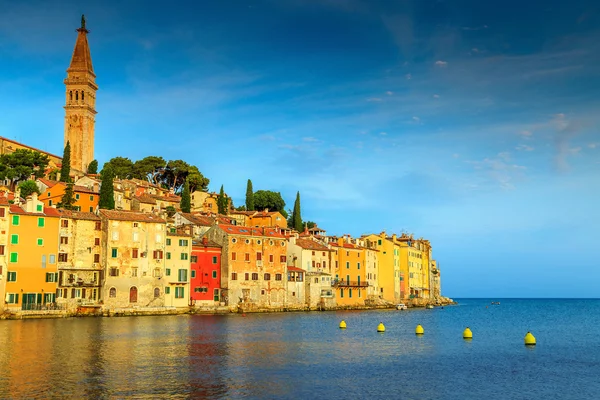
[401,306]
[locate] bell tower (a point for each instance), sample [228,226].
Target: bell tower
[80,105]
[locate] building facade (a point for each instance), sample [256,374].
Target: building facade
[206,273]
[178,249]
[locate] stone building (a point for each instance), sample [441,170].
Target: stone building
[253,266]
[80,272]
[133,247]
[80,105]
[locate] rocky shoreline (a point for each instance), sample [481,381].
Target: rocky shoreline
[218,310]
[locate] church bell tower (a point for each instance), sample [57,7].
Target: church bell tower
[80,105]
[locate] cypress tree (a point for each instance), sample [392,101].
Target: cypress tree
[65,169]
[186,200]
[222,202]
[68,199]
[93,167]
[107,194]
[249,196]
[296,215]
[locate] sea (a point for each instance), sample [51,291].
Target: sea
[305,355]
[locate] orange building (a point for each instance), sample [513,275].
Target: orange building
[86,199]
[350,278]
[253,266]
[32,271]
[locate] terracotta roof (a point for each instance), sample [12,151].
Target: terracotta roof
[244,230]
[123,215]
[84,189]
[4,201]
[316,229]
[170,198]
[198,219]
[295,269]
[179,231]
[47,182]
[81,59]
[198,243]
[311,245]
[243,212]
[78,215]
[48,211]
[2,138]
[144,198]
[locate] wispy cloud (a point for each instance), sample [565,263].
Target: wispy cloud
[310,139]
[389,93]
[441,63]
[592,145]
[524,147]
[500,170]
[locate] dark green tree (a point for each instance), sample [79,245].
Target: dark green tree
[170,211]
[186,201]
[249,196]
[93,167]
[68,199]
[310,224]
[271,200]
[241,208]
[222,202]
[150,168]
[65,169]
[122,167]
[27,188]
[107,194]
[21,164]
[296,219]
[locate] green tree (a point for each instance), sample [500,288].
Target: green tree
[310,224]
[186,201]
[150,168]
[170,211]
[249,196]
[296,219]
[21,165]
[271,200]
[241,208]
[222,202]
[27,188]
[68,199]
[122,167]
[107,194]
[65,169]
[93,167]
[177,172]
[197,180]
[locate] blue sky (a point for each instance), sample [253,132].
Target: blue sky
[473,124]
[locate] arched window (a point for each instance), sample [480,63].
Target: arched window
[156,293]
[82,95]
[76,95]
[133,295]
[70,95]
[112,292]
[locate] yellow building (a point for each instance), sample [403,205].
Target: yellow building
[177,267]
[414,261]
[79,259]
[350,281]
[4,220]
[390,277]
[32,270]
[133,247]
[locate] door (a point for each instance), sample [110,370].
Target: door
[28,301]
[133,295]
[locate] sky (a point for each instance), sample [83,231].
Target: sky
[473,124]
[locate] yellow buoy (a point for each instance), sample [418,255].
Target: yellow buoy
[381,327]
[343,324]
[467,334]
[419,330]
[529,339]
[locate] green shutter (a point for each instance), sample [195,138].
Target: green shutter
[14,257]
[14,239]
[167,290]
[40,242]
[39,207]
[15,220]
[168,272]
[168,255]
[41,222]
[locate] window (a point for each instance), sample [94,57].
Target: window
[2,212]
[183,242]
[282,244]
[179,292]
[267,277]
[182,275]
[247,257]
[15,220]
[135,225]
[271,258]
[135,236]
[358,265]
[167,290]
[193,273]
[299,276]
[114,253]
[168,255]
[158,238]
[168,272]
[11,277]
[157,254]
[134,272]
[64,240]
[216,294]
[41,222]
[39,208]
[258,256]
[91,197]
[51,277]
[156,293]
[52,259]
[193,259]
[341,292]
[1,250]
[247,276]
[214,259]
[64,223]
[234,276]
[233,240]
[347,264]
[96,258]
[63,257]
[98,225]
[214,274]
[76,196]
[277,277]
[282,259]
[133,292]
[115,235]
[113,272]
[13,298]
[233,256]
[324,264]
[254,276]
[184,256]
[313,253]
[14,239]
[168,241]
[96,241]
[14,257]
[134,253]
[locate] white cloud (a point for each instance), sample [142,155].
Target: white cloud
[383,133]
[592,145]
[436,96]
[441,63]
[310,139]
[524,147]
[416,119]
[389,93]
[574,150]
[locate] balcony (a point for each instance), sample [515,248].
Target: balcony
[350,284]
[79,283]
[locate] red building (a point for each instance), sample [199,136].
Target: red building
[205,272]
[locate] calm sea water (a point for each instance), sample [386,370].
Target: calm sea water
[305,355]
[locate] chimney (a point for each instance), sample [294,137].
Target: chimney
[394,237]
[205,240]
